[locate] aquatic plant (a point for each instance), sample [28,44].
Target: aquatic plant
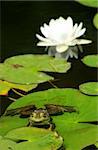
[62,37]
[73,130]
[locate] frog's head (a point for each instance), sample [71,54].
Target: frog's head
[39,116]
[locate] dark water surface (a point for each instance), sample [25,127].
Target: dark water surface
[20,21]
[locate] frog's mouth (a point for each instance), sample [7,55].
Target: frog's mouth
[40,122]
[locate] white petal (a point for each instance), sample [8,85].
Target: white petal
[61,48]
[46,27]
[46,44]
[78,30]
[75,27]
[79,27]
[52,21]
[61,20]
[69,25]
[83,41]
[41,38]
[44,32]
[81,32]
[70,21]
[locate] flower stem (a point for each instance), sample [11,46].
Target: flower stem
[18,93]
[53,85]
[12,99]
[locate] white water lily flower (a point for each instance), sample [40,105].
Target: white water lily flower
[62,34]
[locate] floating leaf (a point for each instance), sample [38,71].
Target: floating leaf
[89,3]
[70,126]
[96,144]
[6,144]
[69,97]
[26,69]
[91,60]
[90,88]
[76,135]
[6,86]
[11,122]
[95,20]
[0,137]
[35,139]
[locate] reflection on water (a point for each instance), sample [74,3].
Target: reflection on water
[20,21]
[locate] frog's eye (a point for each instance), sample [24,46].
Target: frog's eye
[42,114]
[45,115]
[33,114]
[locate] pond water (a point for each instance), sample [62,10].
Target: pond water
[20,21]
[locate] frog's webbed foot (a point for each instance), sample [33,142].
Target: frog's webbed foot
[22,111]
[69,109]
[59,109]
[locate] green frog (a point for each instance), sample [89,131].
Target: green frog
[41,117]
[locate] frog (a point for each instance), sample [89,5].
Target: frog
[40,117]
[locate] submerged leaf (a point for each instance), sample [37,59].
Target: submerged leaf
[27,69]
[90,88]
[6,86]
[35,138]
[91,60]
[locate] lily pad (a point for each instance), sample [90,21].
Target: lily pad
[90,88]
[89,3]
[91,60]
[73,127]
[95,20]
[35,139]
[0,137]
[6,144]
[6,86]
[76,135]
[96,144]
[69,97]
[27,69]
[11,122]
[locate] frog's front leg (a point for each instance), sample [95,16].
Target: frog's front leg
[30,124]
[51,127]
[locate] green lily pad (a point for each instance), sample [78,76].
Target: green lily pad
[11,122]
[0,137]
[70,97]
[89,3]
[96,144]
[91,60]
[6,86]
[35,139]
[90,88]
[76,135]
[26,69]
[95,20]
[70,126]
[6,144]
